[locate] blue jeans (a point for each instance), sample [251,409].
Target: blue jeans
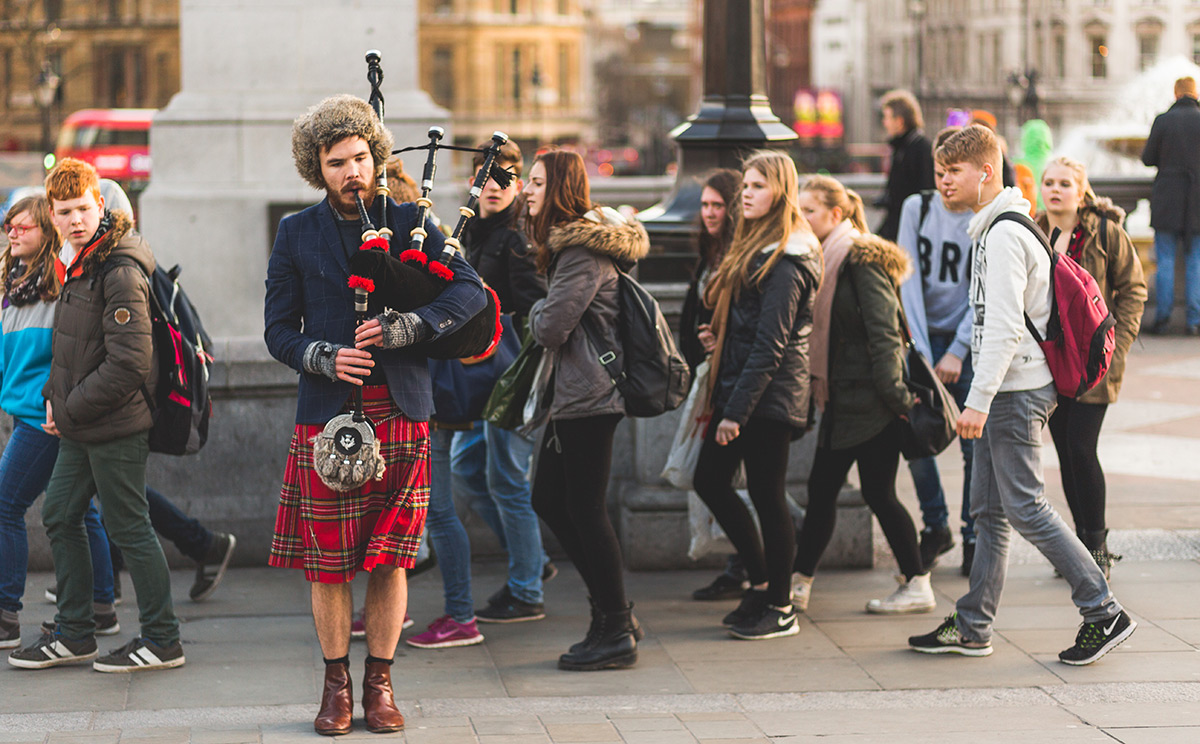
[491,470]
[446,530]
[25,470]
[1007,490]
[1165,246]
[926,478]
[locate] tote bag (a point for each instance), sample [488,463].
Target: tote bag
[506,405]
[689,436]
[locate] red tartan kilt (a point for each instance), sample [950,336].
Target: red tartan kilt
[333,534]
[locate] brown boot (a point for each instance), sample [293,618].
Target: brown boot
[337,702]
[379,707]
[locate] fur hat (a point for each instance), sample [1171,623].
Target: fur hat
[330,122]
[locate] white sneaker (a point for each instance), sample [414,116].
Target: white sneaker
[911,596]
[801,589]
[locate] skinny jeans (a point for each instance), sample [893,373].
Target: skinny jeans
[1075,428]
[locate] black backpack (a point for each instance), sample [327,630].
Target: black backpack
[648,369]
[181,404]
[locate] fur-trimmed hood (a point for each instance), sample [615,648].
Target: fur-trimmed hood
[603,231]
[872,249]
[1104,207]
[119,239]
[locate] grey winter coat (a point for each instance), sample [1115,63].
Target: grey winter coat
[1172,148]
[583,280]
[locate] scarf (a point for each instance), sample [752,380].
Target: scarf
[834,248]
[106,224]
[18,291]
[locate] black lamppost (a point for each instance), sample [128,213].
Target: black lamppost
[44,93]
[734,118]
[916,13]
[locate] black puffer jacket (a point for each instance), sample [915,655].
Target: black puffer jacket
[764,362]
[502,258]
[1171,147]
[103,351]
[911,172]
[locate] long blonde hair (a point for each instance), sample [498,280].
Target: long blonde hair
[832,194]
[782,219]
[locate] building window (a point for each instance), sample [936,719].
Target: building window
[443,7]
[1060,54]
[516,72]
[1099,57]
[1196,48]
[6,76]
[443,76]
[121,77]
[114,10]
[564,74]
[1147,51]
[564,7]
[53,10]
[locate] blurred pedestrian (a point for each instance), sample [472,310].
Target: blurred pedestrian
[911,168]
[1175,204]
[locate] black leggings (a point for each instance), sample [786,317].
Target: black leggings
[764,447]
[569,493]
[1075,428]
[877,460]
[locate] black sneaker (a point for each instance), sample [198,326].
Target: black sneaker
[141,655]
[10,630]
[53,650]
[722,587]
[968,557]
[947,640]
[106,624]
[772,622]
[1097,639]
[212,569]
[934,542]
[754,601]
[503,607]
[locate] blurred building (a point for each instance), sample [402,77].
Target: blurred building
[58,56]
[789,62]
[1060,60]
[839,62]
[517,66]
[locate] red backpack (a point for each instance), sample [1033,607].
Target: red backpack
[1081,335]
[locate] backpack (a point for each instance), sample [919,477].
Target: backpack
[648,369]
[926,198]
[181,405]
[1081,335]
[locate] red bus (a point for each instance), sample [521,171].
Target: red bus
[116,141]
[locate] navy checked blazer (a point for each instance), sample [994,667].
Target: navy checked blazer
[309,299]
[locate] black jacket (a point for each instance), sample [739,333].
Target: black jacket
[501,257]
[764,369]
[1172,147]
[691,316]
[911,172]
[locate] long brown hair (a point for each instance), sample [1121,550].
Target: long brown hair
[568,197]
[752,235]
[41,266]
[832,194]
[728,183]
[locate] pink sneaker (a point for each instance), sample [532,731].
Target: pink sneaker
[358,628]
[446,632]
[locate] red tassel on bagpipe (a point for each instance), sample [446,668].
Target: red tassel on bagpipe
[362,282]
[380,243]
[440,270]
[412,255]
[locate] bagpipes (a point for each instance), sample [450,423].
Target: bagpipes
[413,279]
[346,454]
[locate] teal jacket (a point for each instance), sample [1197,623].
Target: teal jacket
[25,339]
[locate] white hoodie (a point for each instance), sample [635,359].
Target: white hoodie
[1010,278]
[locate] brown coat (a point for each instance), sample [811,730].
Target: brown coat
[1118,272]
[103,351]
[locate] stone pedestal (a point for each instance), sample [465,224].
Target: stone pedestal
[223,173]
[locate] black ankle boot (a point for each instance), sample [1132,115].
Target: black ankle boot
[593,630]
[612,646]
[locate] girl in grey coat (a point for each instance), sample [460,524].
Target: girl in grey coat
[580,247]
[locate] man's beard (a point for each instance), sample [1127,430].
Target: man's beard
[345,203]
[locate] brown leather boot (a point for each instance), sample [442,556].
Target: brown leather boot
[337,702]
[379,707]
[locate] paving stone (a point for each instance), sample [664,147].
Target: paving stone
[664,722]
[658,737]
[229,736]
[564,733]
[1139,715]
[440,735]
[1156,735]
[494,726]
[728,729]
[515,739]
